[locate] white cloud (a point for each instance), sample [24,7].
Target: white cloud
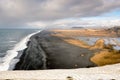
[37,24]
[67,23]
[15,13]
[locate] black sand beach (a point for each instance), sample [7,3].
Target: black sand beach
[58,49]
[46,51]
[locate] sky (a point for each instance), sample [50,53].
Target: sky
[58,13]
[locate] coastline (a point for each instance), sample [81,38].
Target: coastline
[107,72]
[56,50]
[11,58]
[59,54]
[23,63]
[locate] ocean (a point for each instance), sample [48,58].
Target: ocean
[12,41]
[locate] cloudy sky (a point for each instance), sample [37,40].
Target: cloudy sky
[60,13]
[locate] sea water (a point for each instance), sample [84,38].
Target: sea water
[108,40]
[12,41]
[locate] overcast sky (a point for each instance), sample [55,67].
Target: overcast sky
[40,13]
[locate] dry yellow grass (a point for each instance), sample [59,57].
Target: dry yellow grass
[99,44]
[106,57]
[84,32]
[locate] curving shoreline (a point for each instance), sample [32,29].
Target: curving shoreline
[59,54]
[56,50]
[108,72]
[12,54]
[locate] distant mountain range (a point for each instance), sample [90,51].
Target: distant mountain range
[115,29]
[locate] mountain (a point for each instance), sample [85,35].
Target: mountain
[115,29]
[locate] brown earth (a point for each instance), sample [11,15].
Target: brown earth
[85,32]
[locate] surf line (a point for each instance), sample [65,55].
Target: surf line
[9,61]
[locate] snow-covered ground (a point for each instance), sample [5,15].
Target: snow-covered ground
[109,72]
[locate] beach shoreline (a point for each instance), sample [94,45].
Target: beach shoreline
[57,49]
[107,72]
[59,54]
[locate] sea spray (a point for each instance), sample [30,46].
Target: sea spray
[8,62]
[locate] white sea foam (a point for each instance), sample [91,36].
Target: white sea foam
[8,62]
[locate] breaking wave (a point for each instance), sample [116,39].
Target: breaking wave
[9,61]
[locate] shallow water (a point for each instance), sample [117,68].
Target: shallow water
[108,40]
